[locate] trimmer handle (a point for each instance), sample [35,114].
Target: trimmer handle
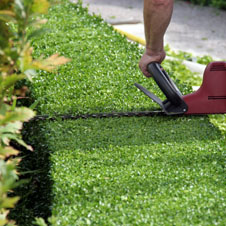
[165,83]
[174,104]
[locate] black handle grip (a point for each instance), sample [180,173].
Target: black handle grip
[165,83]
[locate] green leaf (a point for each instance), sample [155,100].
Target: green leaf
[3,220]
[8,151]
[7,15]
[10,81]
[26,58]
[40,6]
[30,73]
[11,127]
[11,124]
[3,111]
[37,33]
[19,8]
[22,114]
[40,221]
[9,202]
[21,142]
[34,105]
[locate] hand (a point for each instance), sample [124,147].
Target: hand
[148,57]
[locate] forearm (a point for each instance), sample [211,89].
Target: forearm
[157,16]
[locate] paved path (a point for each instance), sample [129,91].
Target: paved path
[196,29]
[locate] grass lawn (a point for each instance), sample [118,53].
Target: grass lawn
[121,171]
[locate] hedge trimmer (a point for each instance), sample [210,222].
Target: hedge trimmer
[210,98]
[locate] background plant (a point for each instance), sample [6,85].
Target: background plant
[17,63]
[216,3]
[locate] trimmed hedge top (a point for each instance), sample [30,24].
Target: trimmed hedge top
[137,171]
[103,70]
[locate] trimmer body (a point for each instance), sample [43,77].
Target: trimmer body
[210,98]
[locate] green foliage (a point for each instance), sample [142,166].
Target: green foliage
[221,4]
[220,122]
[16,63]
[133,171]
[181,55]
[103,69]
[41,222]
[136,171]
[180,71]
[8,181]
[204,60]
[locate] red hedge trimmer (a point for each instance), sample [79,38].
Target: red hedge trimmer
[210,98]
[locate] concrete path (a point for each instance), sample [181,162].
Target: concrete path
[195,29]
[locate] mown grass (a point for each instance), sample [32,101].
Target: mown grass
[121,171]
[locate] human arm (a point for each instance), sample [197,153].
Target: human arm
[157,16]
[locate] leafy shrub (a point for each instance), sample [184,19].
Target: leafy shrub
[221,4]
[102,71]
[16,63]
[134,171]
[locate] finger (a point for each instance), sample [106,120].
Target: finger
[144,70]
[146,73]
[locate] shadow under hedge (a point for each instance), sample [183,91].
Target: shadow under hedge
[35,193]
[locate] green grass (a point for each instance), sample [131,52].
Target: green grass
[121,171]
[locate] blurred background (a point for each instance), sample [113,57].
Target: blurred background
[198,28]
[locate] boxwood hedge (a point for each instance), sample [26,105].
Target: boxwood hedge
[103,69]
[121,171]
[126,171]
[221,4]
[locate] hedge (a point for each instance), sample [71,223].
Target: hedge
[102,71]
[127,171]
[221,4]
[119,171]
